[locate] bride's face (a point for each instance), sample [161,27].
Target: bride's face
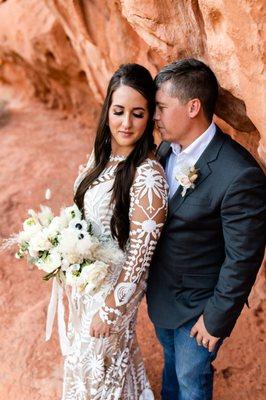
[127,118]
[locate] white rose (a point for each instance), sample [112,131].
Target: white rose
[50,263]
[24,236]
[96,273]
[65,264]
[39,242]
[31,226]
[185,181]
[57,225]
[71,274]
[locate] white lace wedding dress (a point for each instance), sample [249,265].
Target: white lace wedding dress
[112,368]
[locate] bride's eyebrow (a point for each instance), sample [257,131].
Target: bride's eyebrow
[135,108]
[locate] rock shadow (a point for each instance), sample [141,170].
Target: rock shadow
[5,114]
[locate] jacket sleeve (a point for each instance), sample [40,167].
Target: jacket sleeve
[147,214]
[243,214]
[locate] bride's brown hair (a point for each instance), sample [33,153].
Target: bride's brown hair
[140,79]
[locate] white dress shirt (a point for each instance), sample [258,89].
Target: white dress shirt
[189,156]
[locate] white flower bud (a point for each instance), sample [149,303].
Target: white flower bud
[48,194]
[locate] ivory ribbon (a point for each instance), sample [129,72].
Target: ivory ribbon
[56,302]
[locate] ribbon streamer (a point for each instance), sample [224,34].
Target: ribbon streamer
[56,302]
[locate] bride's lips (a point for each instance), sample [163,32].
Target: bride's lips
[125,133]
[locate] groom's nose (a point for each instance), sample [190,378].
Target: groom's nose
[156,115]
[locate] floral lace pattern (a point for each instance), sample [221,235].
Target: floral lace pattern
[112,368]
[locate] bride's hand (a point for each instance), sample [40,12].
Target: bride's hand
[99,328]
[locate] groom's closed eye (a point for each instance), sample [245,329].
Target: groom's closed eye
[160,106]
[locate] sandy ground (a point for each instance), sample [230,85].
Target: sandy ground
[41,149]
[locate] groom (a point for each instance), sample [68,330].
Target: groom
[213,241]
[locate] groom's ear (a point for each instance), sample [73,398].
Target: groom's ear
[194,106]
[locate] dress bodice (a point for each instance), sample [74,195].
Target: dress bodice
[97,200]
[147,213]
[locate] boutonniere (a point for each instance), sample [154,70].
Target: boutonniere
[186,176]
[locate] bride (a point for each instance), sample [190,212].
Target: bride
[123,193]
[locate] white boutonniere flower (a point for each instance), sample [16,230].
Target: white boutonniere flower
[186,176]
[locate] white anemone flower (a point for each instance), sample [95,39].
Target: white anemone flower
[79,224]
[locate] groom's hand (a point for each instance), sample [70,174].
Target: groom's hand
[202,336]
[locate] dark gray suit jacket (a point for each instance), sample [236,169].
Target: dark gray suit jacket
[212,243]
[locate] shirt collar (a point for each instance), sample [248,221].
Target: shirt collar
[196,148]
[176,148]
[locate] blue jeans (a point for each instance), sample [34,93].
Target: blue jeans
[188,372]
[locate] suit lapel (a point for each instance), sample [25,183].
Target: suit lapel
[163,151]
[203,165]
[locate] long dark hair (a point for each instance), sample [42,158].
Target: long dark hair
[140,79]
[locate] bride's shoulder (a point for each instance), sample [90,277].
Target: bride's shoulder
[150,177]
[150,173]
[83,170]
[88,163]
[90,159]
[150,164]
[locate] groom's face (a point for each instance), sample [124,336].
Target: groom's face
[171,116]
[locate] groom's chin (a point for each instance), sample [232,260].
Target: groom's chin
[163,134]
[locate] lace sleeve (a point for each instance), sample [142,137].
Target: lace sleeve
[83,170]
[147,214]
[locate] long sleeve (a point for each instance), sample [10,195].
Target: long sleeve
[243,219]
[147,214]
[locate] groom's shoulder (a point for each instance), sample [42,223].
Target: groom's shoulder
[234,155]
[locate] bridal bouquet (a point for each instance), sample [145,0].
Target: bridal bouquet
[64,247]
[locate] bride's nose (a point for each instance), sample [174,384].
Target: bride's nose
[126,121]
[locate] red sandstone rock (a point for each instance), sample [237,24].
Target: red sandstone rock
[59,45]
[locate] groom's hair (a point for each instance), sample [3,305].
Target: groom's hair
[190,79]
